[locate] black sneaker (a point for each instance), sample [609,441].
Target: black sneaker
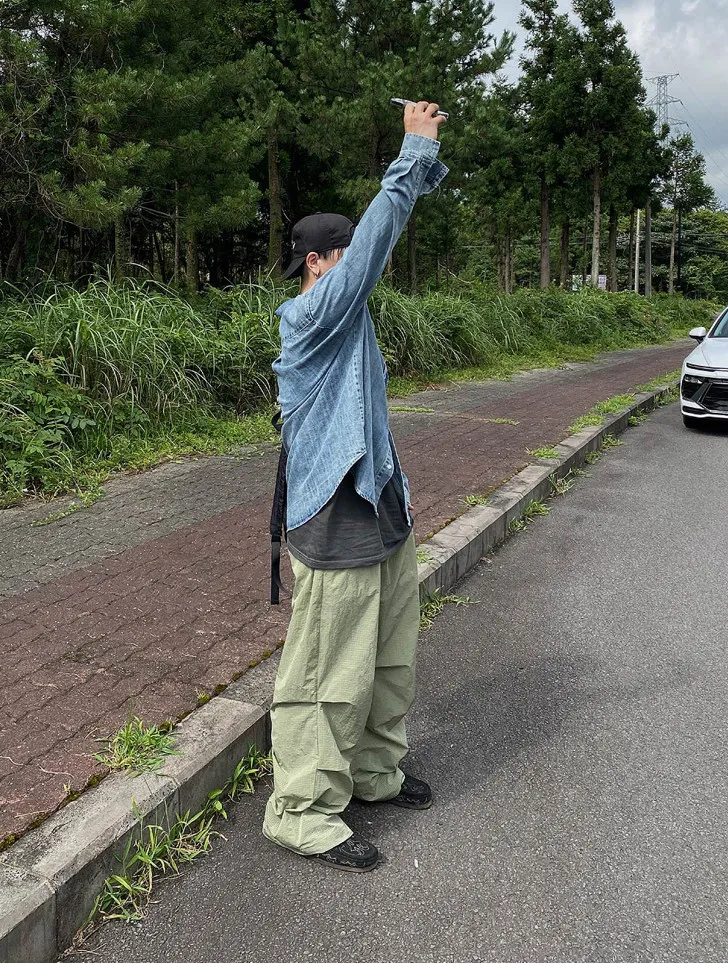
[414,794]
[355,855]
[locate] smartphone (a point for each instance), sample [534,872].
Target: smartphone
[398,102]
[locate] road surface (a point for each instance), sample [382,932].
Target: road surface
[573,726]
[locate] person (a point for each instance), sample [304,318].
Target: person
[347,673]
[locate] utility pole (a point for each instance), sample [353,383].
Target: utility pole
[661,104]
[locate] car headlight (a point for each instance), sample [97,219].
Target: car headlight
[692,380]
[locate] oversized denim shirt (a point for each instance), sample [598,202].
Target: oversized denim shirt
[332,378]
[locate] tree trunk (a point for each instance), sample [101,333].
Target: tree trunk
[193,261]
[679,248]
[648,250]
[597,230]
[412,252]
[613,282]
[12,268]
[545,235]
[630,266]
[565,231]
[275,237]
[512,260]
[584,252]
[122,248]
[160,258]
[501,262]
[507,258]
[177,240]
[671,276]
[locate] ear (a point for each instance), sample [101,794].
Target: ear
[312,263]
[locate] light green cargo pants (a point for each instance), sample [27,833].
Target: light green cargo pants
[345,683]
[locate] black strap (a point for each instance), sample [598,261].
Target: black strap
[278,520]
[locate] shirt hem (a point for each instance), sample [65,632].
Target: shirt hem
[348,563]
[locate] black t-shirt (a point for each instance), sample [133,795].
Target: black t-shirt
[347,533]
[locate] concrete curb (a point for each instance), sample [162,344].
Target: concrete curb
[50,878]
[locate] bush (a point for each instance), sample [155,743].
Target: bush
[86,373]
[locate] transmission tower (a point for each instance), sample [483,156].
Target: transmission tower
[662,101]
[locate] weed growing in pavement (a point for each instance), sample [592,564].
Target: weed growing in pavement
[136,748]
[86,499]
[474,500]
[638,418]
[434,602]
[203,697]
[560,486]
[586,421]
[609,441]
[501,421]
[157,850]
[427,411]
[660,382]
[532,510]
[545,452]
[672,394]
[614,404]
[423,556]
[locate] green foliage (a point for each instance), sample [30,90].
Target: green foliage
[155,850]
[434,602]
[137,748]
[125,375]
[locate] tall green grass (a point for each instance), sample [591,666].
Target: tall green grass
[116,375]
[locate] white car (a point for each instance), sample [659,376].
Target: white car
[704,381]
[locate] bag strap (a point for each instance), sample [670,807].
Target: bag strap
[278,519]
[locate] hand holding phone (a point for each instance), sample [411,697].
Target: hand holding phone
[421,118]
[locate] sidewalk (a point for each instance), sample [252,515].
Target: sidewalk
[159,591]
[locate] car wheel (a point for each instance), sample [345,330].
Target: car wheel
[694,423]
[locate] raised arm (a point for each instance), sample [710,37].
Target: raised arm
[336,299]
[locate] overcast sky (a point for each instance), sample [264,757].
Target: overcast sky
[686,37]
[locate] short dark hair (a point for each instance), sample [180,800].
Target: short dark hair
[323,254]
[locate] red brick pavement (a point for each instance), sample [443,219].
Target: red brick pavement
[150,627]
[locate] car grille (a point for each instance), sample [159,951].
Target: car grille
[716,398]
[688,388]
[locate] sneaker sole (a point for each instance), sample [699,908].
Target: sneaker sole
[343,867]
[406,805]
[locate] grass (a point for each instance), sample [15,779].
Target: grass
[434,602]
[533,510]
[475,500]
[156,851]
[560,486]
[411,409]
[545,452]
[85,500]
[123,377]
[586,421]
[500,421]
[423,556]
[137,748]
[614,404]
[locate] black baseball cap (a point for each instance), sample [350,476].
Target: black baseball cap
[319,233]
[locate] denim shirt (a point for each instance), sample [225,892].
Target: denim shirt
[332,378]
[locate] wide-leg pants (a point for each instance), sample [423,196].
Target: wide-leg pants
[344,686]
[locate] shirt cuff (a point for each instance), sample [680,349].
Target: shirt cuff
[426,148]
[421,146]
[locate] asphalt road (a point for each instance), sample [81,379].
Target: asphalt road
[573,726]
